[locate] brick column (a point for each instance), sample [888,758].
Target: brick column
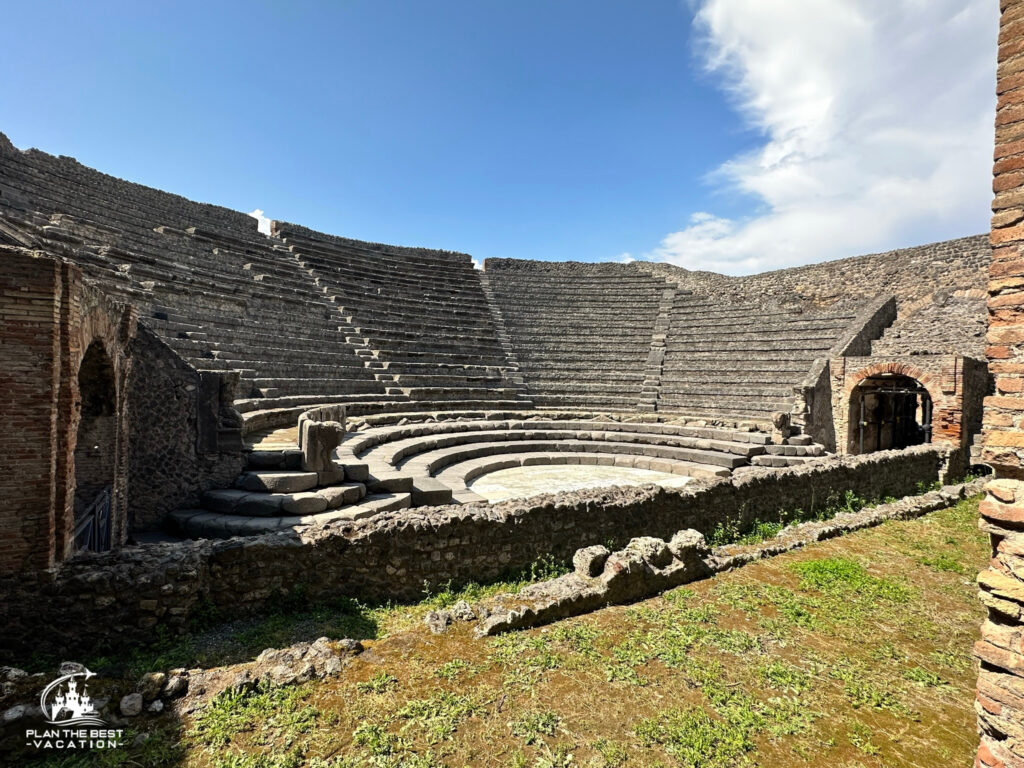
[1000,698]
[30,365]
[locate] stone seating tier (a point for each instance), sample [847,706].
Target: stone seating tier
[371,430]
[395,453]
[252,303]
[152,245]
[561,321]
[284,415]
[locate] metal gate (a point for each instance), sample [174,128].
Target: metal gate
[892,398]
[92,529]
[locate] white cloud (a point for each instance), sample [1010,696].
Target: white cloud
[263,223]
[877,117]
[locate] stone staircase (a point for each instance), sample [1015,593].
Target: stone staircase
[651,391]
[275,493]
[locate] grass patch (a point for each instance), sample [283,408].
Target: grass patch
[841,577]
[382,682]
[439,715]
[531,726]
[260,710]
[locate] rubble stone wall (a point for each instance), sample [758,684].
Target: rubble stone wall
[907,273]
[170,462]
[104,600]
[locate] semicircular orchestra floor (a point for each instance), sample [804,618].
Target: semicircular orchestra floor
[524,482]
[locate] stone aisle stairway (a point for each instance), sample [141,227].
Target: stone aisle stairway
[274,493]
[656,357]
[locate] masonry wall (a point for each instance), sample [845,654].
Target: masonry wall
[49,318]
[955,385]
[1000,696]
[30,291]
[180,433]
[907,273]
[98,601]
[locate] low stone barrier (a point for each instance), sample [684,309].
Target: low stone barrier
[648,566]
[100,601]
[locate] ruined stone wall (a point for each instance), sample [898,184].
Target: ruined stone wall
[171,459]
[48,319]
[102,600]
[907,273]
[1000,697]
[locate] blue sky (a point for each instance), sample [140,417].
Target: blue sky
[700,132]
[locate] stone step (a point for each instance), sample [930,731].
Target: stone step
[386,502]
[276,481]
[429,492]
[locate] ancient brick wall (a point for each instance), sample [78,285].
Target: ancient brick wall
[48,319]
[955,384]
[29,381]
[100,600]
[1000,699]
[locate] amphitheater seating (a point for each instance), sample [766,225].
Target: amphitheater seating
[457,447]
[740,360]
[581,333]
[420,317]
[219,293]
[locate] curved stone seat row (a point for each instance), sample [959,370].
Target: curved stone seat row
[370,430]
[401,453]
[430,463]
[396,449]
[459,476]
[257,419]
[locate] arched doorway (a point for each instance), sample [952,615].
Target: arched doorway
[95,450]
[889,410]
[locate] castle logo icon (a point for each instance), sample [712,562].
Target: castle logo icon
[66,704]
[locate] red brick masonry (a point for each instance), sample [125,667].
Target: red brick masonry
[1000,699]
[48,318]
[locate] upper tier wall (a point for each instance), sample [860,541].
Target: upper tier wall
[907,273]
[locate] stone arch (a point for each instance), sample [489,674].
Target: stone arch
[96,449]
[896,420]
[94,456]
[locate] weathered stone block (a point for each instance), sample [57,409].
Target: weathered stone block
[589,561]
